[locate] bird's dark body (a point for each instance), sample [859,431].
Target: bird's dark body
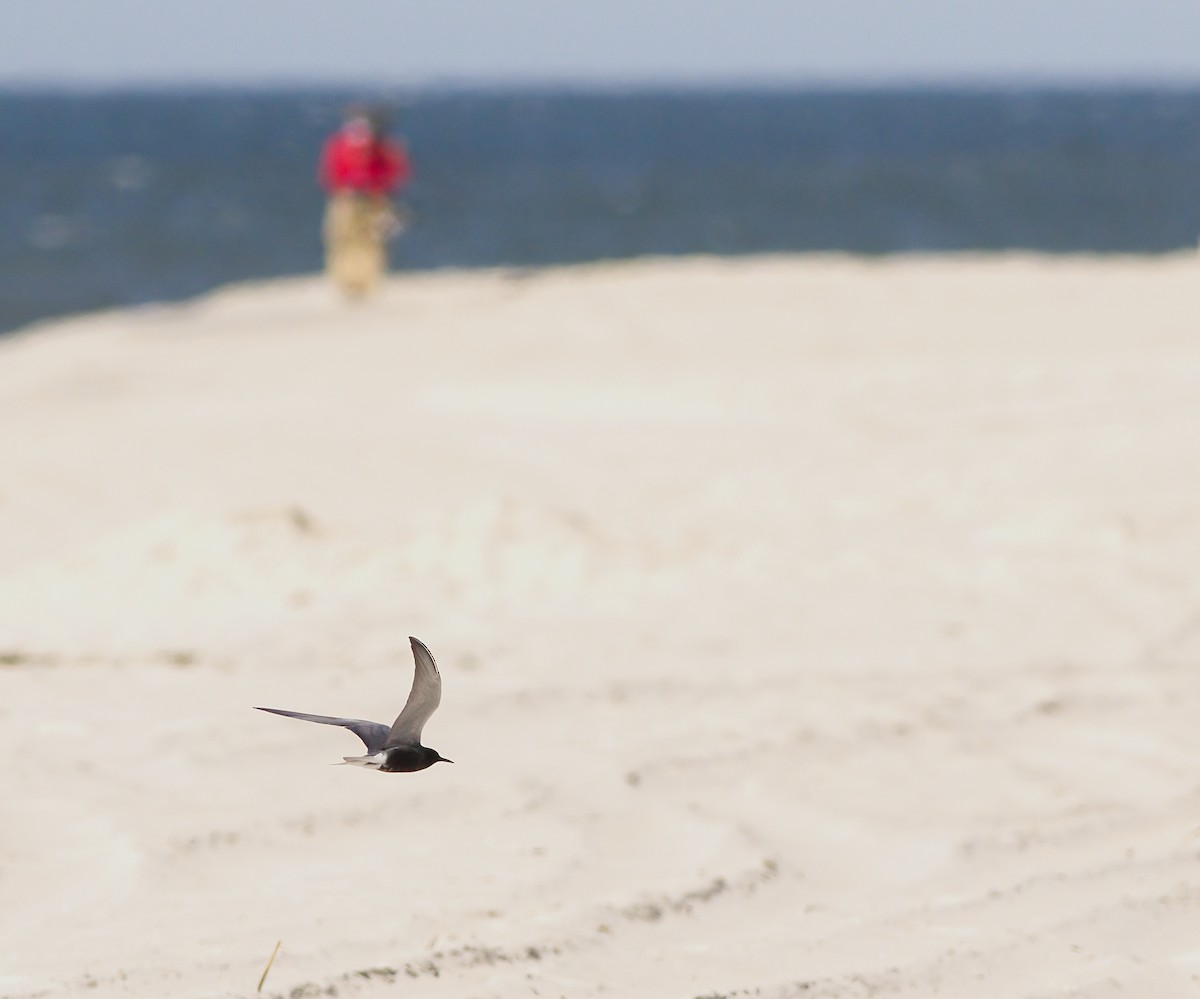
[408,759]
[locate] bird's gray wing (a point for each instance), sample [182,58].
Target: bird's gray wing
[373,734]
[423,699]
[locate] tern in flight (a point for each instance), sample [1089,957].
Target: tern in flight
[394,749]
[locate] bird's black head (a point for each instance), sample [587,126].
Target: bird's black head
[434,756]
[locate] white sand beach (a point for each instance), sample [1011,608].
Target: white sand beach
[808,626]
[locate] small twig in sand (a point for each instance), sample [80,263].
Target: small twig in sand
[271,961]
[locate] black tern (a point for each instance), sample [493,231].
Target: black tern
[398,749]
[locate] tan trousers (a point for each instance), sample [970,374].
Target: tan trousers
[355,252]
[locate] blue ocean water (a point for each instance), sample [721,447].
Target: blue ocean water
[121,198]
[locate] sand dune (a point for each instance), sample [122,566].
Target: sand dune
[808,627]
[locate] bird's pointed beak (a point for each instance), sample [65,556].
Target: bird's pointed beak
[442,759]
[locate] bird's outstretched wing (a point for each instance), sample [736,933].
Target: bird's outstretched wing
[423,699]
[373,734]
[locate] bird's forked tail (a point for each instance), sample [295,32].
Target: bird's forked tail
[373,762]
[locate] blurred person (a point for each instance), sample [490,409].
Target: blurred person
[361,168]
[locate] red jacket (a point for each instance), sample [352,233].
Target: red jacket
[374,166]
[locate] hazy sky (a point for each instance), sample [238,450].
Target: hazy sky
[609,41]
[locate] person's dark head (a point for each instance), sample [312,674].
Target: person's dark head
[380,120]
[356,122]
[355,112]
